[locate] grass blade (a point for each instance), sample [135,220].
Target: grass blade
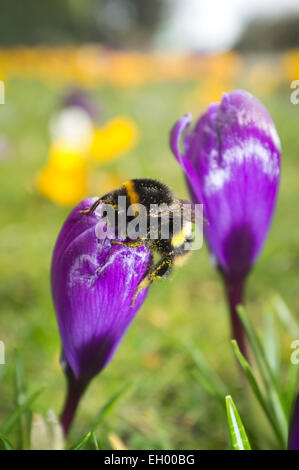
[89,431]
[209,387]
[20,398]
[106,409]
[291,387]
[82,443]
[271,343]
[6,443]
[270,382]
[10,421]
[258,393]
[285,316]
[238,436]
[95,441]
[207,377]
[3,370]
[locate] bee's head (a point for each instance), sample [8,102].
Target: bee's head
[112,197]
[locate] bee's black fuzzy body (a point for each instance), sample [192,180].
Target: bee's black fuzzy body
[151,193]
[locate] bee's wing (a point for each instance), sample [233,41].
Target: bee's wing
[179,208]
[160,210]
[191,212]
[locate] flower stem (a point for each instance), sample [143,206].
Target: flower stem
[235,296]
[75,390]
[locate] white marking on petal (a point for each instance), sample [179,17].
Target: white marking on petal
[275,137]
[215,180]
[76,269]
[253,151]
[132,259]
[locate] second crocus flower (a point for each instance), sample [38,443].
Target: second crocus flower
[231,160]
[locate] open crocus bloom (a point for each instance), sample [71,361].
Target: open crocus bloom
[93,284]
[231,160]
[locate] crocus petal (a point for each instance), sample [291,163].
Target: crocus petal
[79,99]
[293,441]
[93,283]
[177,134]
[235,151]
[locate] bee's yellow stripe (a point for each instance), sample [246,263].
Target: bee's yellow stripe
[130,188]
[179,238]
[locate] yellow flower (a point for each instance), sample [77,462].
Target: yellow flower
[111,140]
[65,157]
[64,188]
[290,64]
[64,178]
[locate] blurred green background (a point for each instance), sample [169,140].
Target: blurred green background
[167,407]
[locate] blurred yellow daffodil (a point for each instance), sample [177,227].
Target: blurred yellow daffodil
[76,143]
[110,141]
[290,64]
[64,178]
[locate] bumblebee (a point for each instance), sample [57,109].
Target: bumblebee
[168,231]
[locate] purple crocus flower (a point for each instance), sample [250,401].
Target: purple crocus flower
[231,160]
[80,99]
[293,441]
[93,283]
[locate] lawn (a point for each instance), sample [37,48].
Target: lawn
[166,406]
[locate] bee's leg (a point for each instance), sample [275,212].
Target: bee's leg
[92,208]
[160,270]
[106,233]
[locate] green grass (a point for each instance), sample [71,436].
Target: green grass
[167,407]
